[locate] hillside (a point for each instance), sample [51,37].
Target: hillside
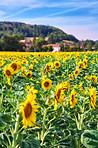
[34,31]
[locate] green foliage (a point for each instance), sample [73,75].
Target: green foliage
[11,43]
[11,28]
[90,139]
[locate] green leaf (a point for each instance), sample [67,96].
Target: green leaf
[90,139]
[2,125]
[6,117]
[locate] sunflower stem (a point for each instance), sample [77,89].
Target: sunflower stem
[43,126]
[15,134]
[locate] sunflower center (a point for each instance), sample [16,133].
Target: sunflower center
[48,67]
[29,74]
[46,84]
[8,72]
[28,110]
[93,78]
[14,66]
[76,72]
[58,94]
[72,98]
[57,64]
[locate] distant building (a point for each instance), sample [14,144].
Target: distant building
[56,47]
[93,48]
[72,46]
[27,44]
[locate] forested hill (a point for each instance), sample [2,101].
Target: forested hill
[34,31]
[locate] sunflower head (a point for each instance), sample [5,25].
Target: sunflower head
[28,109]
[8,71]
[59,92]
[71,76]
[76,72]
[92,92]
[81,64]
[29,74]
[57,64]
[93,78]
[46,84]
[73,99]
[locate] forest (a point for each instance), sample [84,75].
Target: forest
[26,30]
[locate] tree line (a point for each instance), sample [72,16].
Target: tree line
[11,43]
[11,28]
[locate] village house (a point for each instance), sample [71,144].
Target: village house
[93,48]
[72,46]
[27,44]
[56,47]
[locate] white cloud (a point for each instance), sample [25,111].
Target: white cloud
[16,3]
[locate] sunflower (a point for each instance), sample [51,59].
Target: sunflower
[93,78]
[71,76]
[59,93]
[28,109]
[28,88]
[8,71]
[47,67]
[46,83]
[65,86]
[86,77]
[57,64]
[24,61]
[31,67]
[93,97]
[14,66]
[29,74]
[33,91]
[85,62]
[76,72]
[81,64]
[73,99]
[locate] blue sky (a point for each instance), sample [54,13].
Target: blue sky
[76,17]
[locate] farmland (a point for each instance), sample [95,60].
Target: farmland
[48,100]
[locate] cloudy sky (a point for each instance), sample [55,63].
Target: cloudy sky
[76,17]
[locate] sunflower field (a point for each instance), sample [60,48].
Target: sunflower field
[48,100]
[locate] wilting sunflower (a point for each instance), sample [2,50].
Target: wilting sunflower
[28,109]
[57,64]
[73,99]
[93,78]
[46,83]
[92,97]
[76,72]
[8,71]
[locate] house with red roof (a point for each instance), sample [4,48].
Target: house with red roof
[27,44]
[56,47]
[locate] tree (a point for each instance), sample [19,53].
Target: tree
[11,43]
[96,46]
[62,46]
[51,39]
[39,42]
[89,46]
